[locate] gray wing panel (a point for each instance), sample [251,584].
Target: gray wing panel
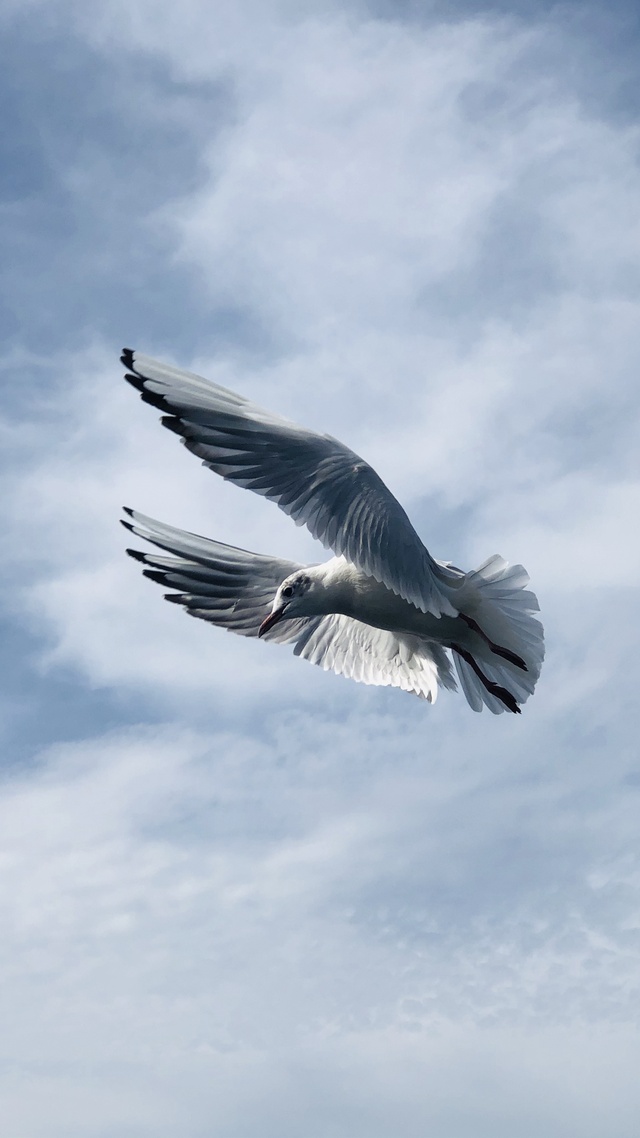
[314,478]
[221,584]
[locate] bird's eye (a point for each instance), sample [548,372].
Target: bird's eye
[287,591]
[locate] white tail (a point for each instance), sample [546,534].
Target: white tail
[495,597]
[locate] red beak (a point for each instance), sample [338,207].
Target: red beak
[271,619]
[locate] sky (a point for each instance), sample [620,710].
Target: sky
[238,895]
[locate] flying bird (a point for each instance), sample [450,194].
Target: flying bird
[382,610]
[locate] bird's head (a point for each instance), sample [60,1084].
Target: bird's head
[298,595]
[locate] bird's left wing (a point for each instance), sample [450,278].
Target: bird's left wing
[235,589]
[314,478]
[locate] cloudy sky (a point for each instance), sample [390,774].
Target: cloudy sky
[240,896]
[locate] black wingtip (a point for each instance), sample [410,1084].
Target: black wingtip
[151,397]
[135,381]
[173,423]
[130,375]
[137,554]
[127,525]
[157,575]
[175,598]
[127,510]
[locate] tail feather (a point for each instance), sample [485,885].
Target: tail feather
[474,693]
[495,597]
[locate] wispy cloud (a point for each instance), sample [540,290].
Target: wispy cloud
[211,906]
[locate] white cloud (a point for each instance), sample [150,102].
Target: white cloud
[186,916]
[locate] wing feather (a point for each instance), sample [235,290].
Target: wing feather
[314,478]
[234,589]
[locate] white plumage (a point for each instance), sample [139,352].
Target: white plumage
[382,611]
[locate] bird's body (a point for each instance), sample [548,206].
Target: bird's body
[382,610]
[346,590]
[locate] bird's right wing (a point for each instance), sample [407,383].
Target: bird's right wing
[219,583]
[235,589]
[314,478]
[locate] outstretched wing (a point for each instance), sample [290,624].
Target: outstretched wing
[219,583]
[314,478]
[235,589]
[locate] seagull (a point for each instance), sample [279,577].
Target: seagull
[382,611]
